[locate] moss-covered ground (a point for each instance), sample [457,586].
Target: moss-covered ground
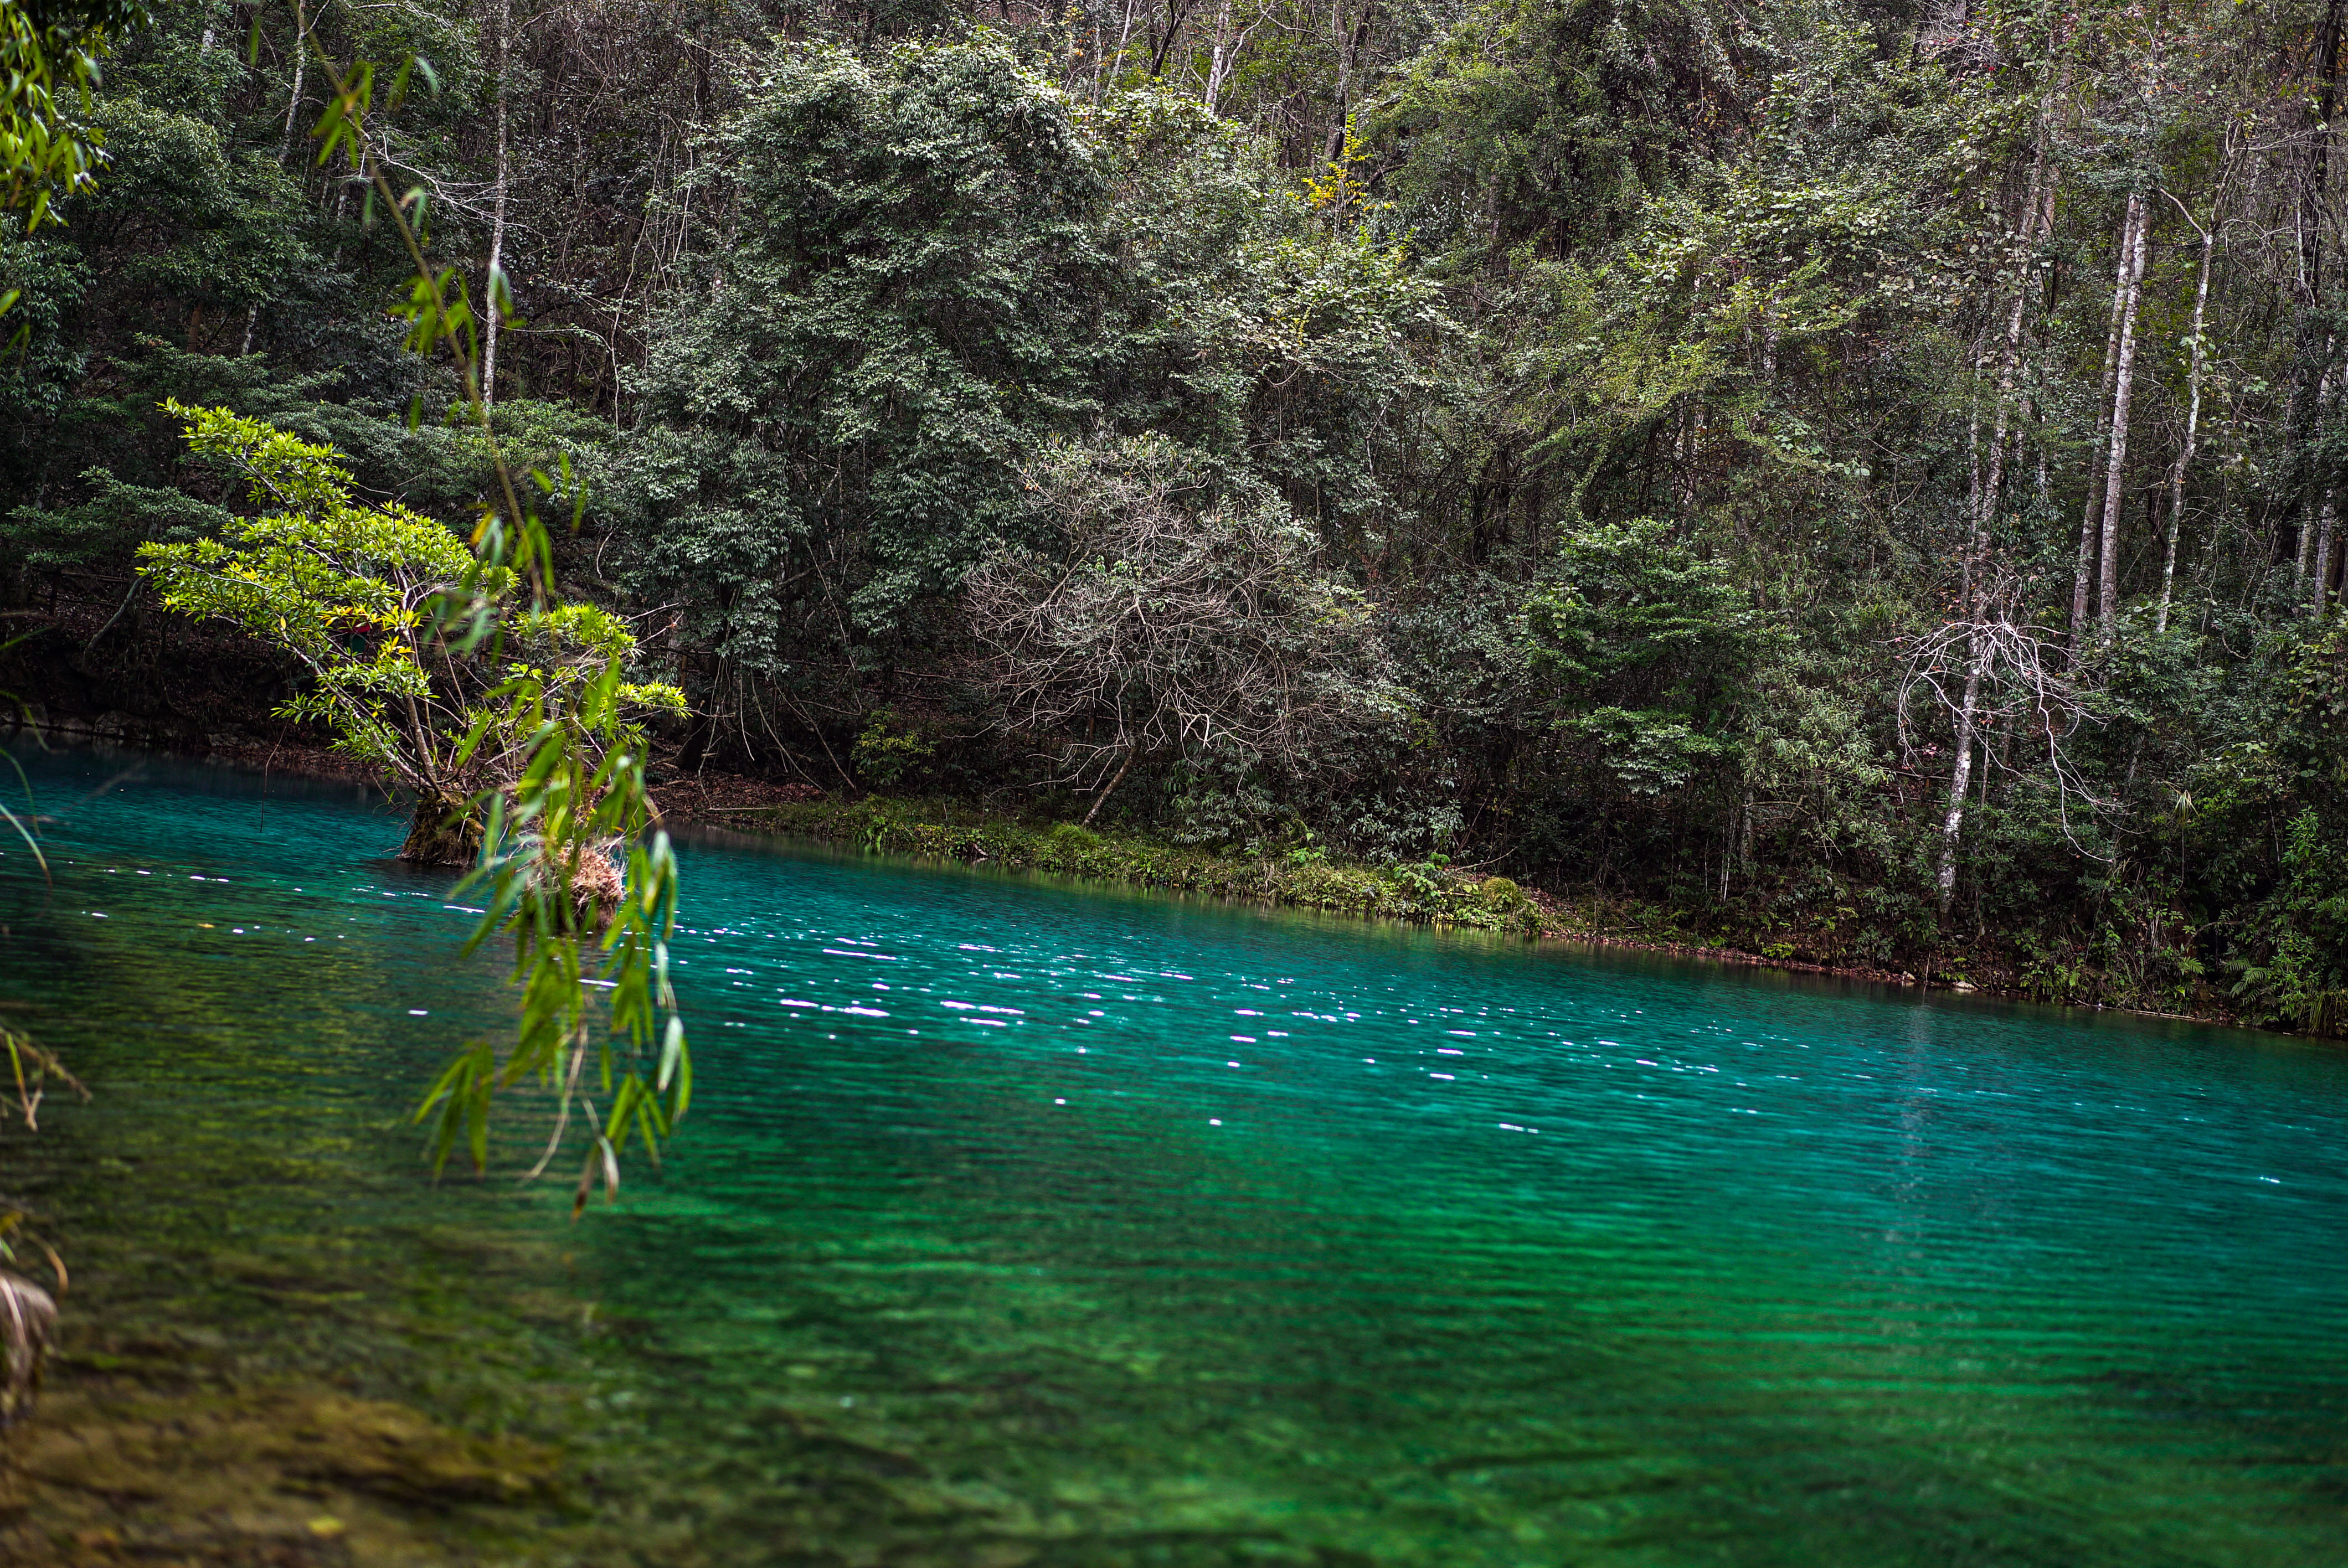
[1429,892]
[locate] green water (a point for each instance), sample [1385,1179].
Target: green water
[1016,1224]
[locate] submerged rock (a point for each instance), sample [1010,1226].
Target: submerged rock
[289,1475]
[395,1451]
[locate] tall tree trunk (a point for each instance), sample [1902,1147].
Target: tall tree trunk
[1349,45]
[2090,522]
[2009,364]
[2314,222]
[284,142]
[294,98]
[2304,558]
[1985,488]
[1960,774]
[1175,10]
[494,283]
[2317,546]
[1116,62]
[2109,585]
[1972,480]
[2192,414]
[2326,523]
[1218,59]
[2312,216]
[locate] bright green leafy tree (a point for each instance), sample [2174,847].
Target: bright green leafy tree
[352,592]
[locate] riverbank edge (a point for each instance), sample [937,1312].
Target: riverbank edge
[969,834]
[1423,895]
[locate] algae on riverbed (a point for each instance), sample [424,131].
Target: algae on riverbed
[263,1474]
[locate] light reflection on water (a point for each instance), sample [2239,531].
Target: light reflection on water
[1020,1224]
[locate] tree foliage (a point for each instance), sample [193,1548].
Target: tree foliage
[50,55]
[1726,460]
[1168,611]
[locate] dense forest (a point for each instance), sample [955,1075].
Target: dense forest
[1858,480]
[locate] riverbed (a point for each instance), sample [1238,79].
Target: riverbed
[1018,1223]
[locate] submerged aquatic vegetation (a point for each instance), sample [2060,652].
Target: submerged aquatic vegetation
[1003,1244]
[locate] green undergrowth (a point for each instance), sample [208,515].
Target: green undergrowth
[1425,893]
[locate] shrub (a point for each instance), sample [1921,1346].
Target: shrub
[887,753]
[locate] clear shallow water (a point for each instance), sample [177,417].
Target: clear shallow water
[1017,1223]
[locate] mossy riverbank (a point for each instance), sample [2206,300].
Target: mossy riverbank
[1429,892]
[1809,924]
[1426,894]
[1759,930]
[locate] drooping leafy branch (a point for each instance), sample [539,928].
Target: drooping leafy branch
[50,52]
[577,870]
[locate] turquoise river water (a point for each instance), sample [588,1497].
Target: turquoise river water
[1021,1224]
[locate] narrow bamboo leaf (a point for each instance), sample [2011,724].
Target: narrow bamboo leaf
[672,1052]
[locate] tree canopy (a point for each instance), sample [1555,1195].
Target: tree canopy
[1836,477]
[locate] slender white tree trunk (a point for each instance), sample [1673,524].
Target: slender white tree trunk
[1966,566]
[2325,528]
[2327,516]
[2307,531]
[1960,774]
[2109,582]
[1986,488]
[284,145]
[1225,60]
[294,99]
[493,283]
[2192,423]
[1116,62]
[1218,62]
[2009,365]
[2084,577]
